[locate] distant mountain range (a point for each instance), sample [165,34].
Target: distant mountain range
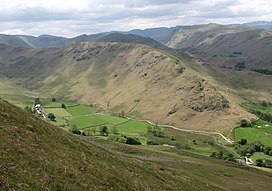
[163,35]
[267,25]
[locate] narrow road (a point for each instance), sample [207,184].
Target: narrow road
[187,130]
[170,126]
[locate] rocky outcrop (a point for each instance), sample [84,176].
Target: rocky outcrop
[202,96]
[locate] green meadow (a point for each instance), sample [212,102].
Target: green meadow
[81,110]
[86,119]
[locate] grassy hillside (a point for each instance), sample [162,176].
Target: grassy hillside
[136,79]
[13,41]
[35,155]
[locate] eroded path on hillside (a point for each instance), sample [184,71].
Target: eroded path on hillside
[187,130]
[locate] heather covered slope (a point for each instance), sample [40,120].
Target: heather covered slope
[35,155]
[139,80]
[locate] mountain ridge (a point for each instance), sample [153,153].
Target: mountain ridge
[160,34]
[107,72]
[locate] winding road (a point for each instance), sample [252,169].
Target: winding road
[186,130]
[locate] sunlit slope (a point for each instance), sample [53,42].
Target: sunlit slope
[137,79]
[37,156]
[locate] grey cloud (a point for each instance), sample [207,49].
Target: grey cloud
[109,15]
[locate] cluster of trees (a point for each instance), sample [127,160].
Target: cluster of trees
[262,114]
[245,149]
[157,131]
[266,116]
[268,151]
[37,101]
[264,163]
[104,131]
[242,142]
[51,116]
[263,71]
[221,155]
[75,130]
[150,142]
[239,66]
[125,139]
[245,123]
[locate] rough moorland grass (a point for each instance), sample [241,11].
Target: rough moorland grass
[254,134]
[81,110]
[59,121]
[12,91]
[45,157]
[58,112]
[262,168]
[200,144]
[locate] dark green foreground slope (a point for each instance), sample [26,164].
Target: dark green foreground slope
[37,156]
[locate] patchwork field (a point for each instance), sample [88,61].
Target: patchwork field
[86,120]
[81,110]
[51,104]
[58,112]
[83,122]
[260,133]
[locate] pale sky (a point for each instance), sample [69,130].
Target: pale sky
[74,17]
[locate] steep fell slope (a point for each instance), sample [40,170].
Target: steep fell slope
[37,156]
[136,79]
[13,41]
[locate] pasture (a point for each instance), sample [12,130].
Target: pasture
[259,155]
[86,120]
[58,112]
[261,134]
[81,110]
[83,122]
[50,104]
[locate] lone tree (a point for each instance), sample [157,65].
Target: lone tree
[104,130]
[132,141]
[157,131]
[75,130]
[37,101]
[63,106]
[242,142]
[244,123]
[51,116]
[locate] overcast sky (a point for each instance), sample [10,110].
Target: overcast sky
[74,17]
